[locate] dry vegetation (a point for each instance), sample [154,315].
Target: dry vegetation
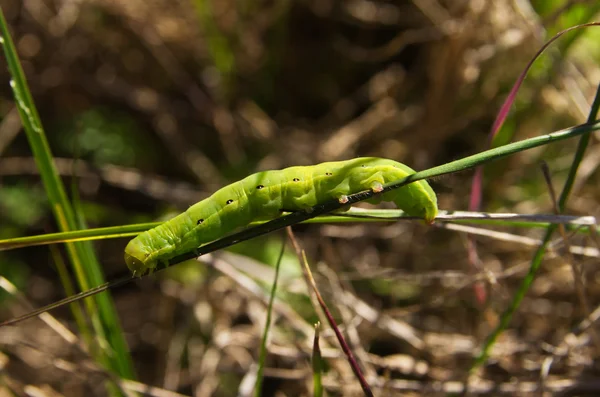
[164,101]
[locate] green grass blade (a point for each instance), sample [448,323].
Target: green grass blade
[499,152]
[102,314]
[539,255]
[77,235]
[107,313]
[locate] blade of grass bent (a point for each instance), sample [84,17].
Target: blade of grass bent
[103,313]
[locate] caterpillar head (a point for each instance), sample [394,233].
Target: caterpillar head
[136,259]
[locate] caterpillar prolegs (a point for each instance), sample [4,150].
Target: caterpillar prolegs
[264,195]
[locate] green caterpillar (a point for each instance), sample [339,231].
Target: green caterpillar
[264,195]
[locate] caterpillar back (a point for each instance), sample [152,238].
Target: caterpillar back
[264,195]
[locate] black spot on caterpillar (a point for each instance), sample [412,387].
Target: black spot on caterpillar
[263,195]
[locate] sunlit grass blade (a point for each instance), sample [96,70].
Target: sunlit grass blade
[77,235]
[103,314]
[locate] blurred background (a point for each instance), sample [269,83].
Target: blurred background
[149,106]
